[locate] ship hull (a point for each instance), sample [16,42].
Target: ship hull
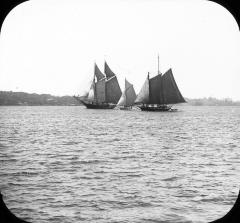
[162,108]
[99,106]
[95,105]
[125,108]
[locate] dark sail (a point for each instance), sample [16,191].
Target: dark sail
[171,93]
[113,90]
[108,71]
[155,90]
[99,75]
[100,91]
[130,93]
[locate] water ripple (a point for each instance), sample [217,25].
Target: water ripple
[70,164]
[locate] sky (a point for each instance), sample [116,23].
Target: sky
[50,46]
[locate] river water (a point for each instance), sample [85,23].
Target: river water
[71,164]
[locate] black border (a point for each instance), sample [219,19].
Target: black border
[232,6]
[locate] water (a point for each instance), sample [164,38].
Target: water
[70,164]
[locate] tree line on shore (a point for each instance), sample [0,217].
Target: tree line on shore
[23,98]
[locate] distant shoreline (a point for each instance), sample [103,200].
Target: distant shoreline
[10,98]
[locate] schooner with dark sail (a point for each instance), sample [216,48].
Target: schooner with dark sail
[104,92]
[128,97]
[159,93]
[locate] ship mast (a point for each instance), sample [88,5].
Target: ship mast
[161,88]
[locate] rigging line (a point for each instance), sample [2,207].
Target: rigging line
[110,78]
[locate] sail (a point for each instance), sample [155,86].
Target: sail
[127,84]
[143,96]
[91,93]
[122,100]
[113,91]
[155,90]
[100,90]
[128,96]
[108,71]
[171,93]
[98,73]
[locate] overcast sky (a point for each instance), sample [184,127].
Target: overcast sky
[50,46]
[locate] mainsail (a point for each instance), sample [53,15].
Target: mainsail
[128,96]
[161,89]
[113,90]
[155,90]
[108,71]
[171,93]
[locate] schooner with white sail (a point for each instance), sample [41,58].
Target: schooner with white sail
[104,92]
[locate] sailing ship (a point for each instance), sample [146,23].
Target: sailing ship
[128,97]
[104,92]
[159,93]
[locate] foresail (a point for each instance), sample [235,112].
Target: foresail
[108,71]
[100,90]
[143,96]
[113,90]
[99,75]
[171,93]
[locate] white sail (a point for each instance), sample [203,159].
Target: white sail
[128,96]
[143,95]
[91,93]
[122,100]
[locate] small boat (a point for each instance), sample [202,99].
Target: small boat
[159,93]
[128,97]
[104,92]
